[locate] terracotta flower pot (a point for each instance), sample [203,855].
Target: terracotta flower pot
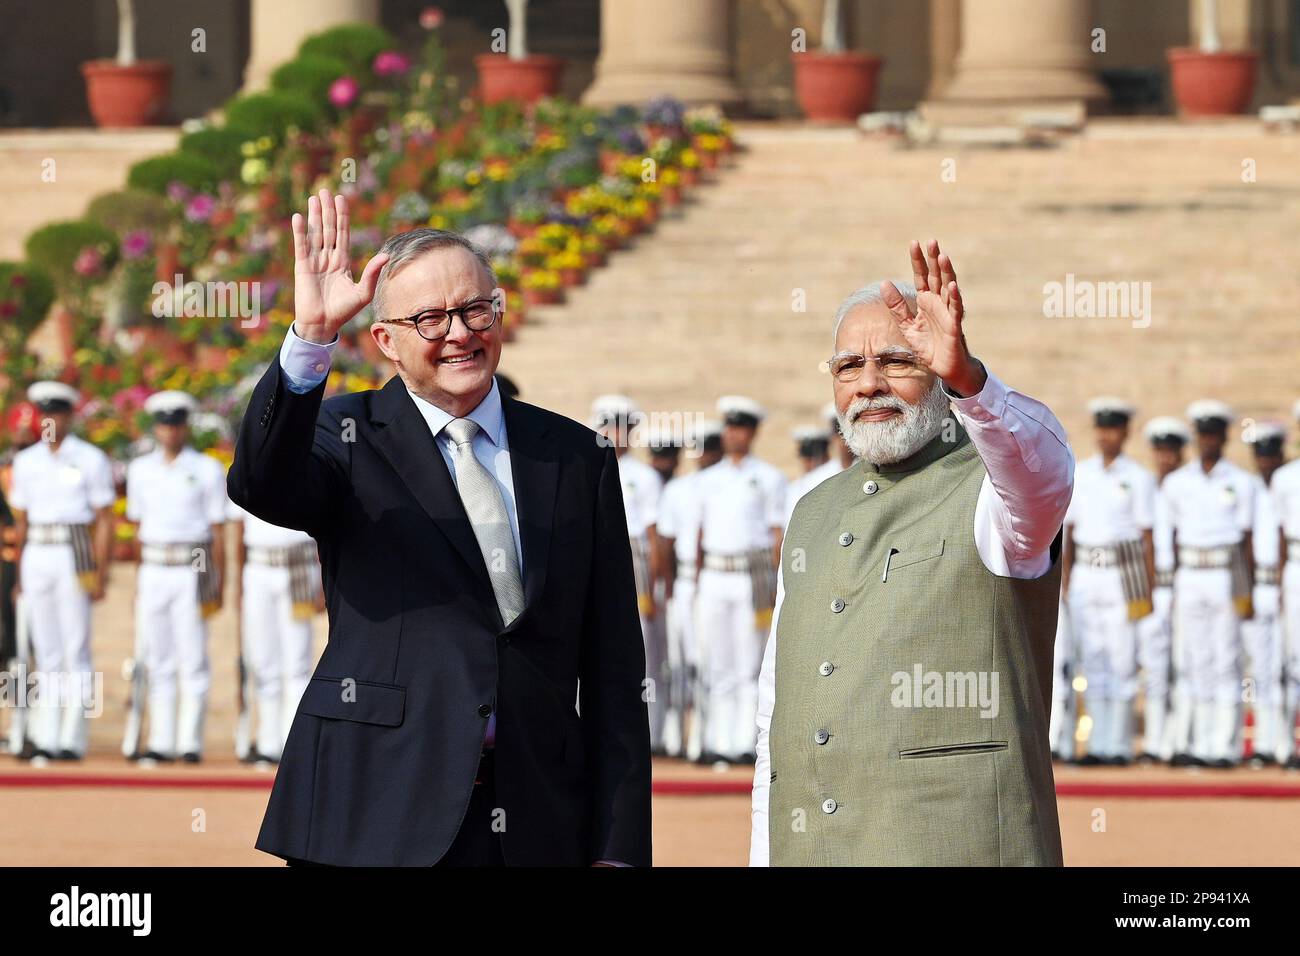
[526,80]
[835,87]
[572,277]
[133,95]
[1212,84]
[543,296]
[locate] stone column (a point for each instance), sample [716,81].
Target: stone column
[945,44]
[278,27]
[1017,53]
[677,47]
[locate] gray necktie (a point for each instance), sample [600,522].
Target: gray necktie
[487,514]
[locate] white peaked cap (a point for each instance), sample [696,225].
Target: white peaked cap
[1267,431]
[1167,426]
[1111,404]
[40,392]
[606,407]
[1209,408]
[804,433]
[740,405]
[162,403]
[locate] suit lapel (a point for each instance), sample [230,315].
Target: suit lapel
[535,468]
[406,443]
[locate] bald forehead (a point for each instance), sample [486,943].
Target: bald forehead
[869,329]
[437,279]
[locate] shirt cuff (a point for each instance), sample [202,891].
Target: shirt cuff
[986,405]
[305,364]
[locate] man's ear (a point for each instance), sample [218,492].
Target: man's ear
[383,337]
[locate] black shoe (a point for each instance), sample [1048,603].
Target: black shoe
[255,756]
[1223,763]
[43,754]
[1184,760]
[191,757]
[1146,759]
[1262,760]
[154,756]
[747,759]
[1088,760]
[27,753]
[68,755]
[1293,762]
[1116,761]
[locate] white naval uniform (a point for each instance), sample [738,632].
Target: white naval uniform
[679,519]
[740,505]
[1207,511]
[1021,505]
[174,503]
[807,482]
[63,487]
[642,486]
[1155,643]
[276,641]
[1285,489]
[1110,505]
[1261,636]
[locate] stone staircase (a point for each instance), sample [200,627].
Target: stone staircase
[704,306]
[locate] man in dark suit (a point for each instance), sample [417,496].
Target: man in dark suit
[478,580]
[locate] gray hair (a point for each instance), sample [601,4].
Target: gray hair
[870,295]
[405,246]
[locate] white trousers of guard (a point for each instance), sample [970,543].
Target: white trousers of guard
[277,650]
[1062,721]
[732,647]
[58,621]
[1291,635]
[1207,656]
[1262,639]
[679,621]
[1107,648]
[1154,647]
[174,639]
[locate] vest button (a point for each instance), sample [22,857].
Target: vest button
[826,669]
[871,487]
[837,605]
[846,538]
[821,736]
[829,805]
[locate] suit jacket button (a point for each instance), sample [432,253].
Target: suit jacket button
[484,710]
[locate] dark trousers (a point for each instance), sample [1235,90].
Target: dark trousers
[478,842]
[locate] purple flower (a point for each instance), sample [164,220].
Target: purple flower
[199,208]
[136,244]
[343,92]
[390,63]
[88,263]
[177,191]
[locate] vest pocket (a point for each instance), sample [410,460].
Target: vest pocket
[898,558]
[954,750]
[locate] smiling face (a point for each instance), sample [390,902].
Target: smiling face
[455,372]
[884,419]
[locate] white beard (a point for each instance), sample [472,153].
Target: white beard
[883,443]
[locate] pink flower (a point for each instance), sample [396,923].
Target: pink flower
[132,397]
[431,18]
[343,92]
[18,280]
[177,191]
[89,261]
[390,63]
[136,244]
[200,207]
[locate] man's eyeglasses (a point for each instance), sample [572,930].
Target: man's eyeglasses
[434,324]
[848,366]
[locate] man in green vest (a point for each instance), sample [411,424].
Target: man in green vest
[906,684]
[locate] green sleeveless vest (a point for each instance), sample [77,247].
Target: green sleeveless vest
[913,685]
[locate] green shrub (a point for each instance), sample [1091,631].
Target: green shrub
[271,113]
[356,44]
[26,294]
[157,172]
[55,247]
[219,145]
[310,75]
[128,210]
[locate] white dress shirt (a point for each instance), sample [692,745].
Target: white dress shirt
[642,486]
[175,502]
[679,517]
[1111,504]
[741,502]
[62,487]
[1285,489]
[807,482]
[263,534]
[1208,510]
[1021,506]
[1264,538]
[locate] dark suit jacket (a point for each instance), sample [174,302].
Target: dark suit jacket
[381,758]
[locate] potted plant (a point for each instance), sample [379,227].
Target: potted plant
[834,85]
[518,75]
[126,91]
[542,287]
[1208,80]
